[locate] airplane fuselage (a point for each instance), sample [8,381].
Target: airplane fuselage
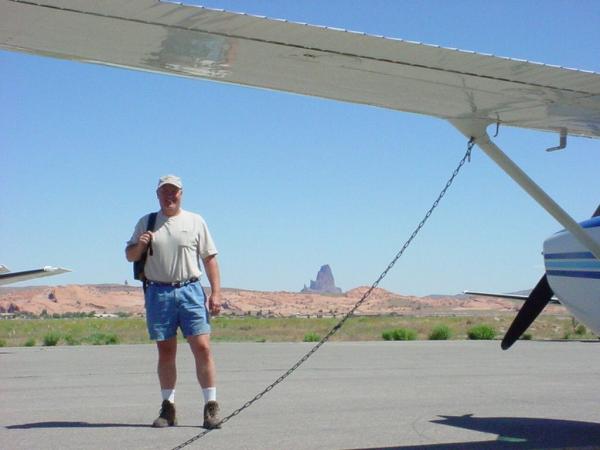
[574,274]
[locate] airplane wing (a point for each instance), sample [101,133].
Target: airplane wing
[194,41]
[8,277]
[523,298]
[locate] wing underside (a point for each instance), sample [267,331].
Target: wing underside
[8,277]
[221,46]
[507,296]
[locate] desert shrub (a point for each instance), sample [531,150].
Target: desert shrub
[526,336]
[481,332]
[51,339]
[103,339]
[312,337]
[405,334]
[2,343]
[71,340]
[388,335]
[440,333]
[30,342]
[580,330]
[399,334]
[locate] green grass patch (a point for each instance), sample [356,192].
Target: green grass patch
[482,332]
[51,339]
[102,339]
[312,337]
[132,330]
[399,334]
[72,340]
[388,335]
[405,334]
[74,331]
[440,333]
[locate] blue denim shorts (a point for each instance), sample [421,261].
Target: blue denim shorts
[168,308]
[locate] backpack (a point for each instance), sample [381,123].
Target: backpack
[138,266]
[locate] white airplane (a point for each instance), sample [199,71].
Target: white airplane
[470,90]
[8,277]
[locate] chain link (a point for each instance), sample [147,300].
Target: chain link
[335,329]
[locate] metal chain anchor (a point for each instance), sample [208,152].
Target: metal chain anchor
[335,329]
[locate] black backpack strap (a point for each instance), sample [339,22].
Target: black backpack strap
[151,221]
[150,227]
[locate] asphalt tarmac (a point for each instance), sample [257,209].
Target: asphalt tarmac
[364,395]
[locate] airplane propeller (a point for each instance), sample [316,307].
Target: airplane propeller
[533,306]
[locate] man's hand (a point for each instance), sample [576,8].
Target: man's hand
[135,251]
[214,303]
[214,278]
[145,239]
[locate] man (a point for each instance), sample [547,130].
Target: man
[174,297]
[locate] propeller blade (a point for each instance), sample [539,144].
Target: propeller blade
[533,306]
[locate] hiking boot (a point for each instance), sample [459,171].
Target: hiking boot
[166,417]
[211,415]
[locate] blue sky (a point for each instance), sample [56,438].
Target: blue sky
[289,183]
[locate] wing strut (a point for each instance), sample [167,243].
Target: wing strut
[474,129]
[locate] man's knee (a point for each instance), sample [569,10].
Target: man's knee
[167,350]
[200,345]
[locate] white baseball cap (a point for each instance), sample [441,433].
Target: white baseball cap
[170,179]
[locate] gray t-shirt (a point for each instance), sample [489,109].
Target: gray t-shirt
[177,244]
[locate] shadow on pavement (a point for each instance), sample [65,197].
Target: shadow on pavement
[518,433]
[65,424]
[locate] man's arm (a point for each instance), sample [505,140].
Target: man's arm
[211,267]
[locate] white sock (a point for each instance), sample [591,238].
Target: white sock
[210,394]
[168,394]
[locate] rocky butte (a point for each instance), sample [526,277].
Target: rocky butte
[324,284]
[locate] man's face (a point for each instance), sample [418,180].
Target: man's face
[169,197]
